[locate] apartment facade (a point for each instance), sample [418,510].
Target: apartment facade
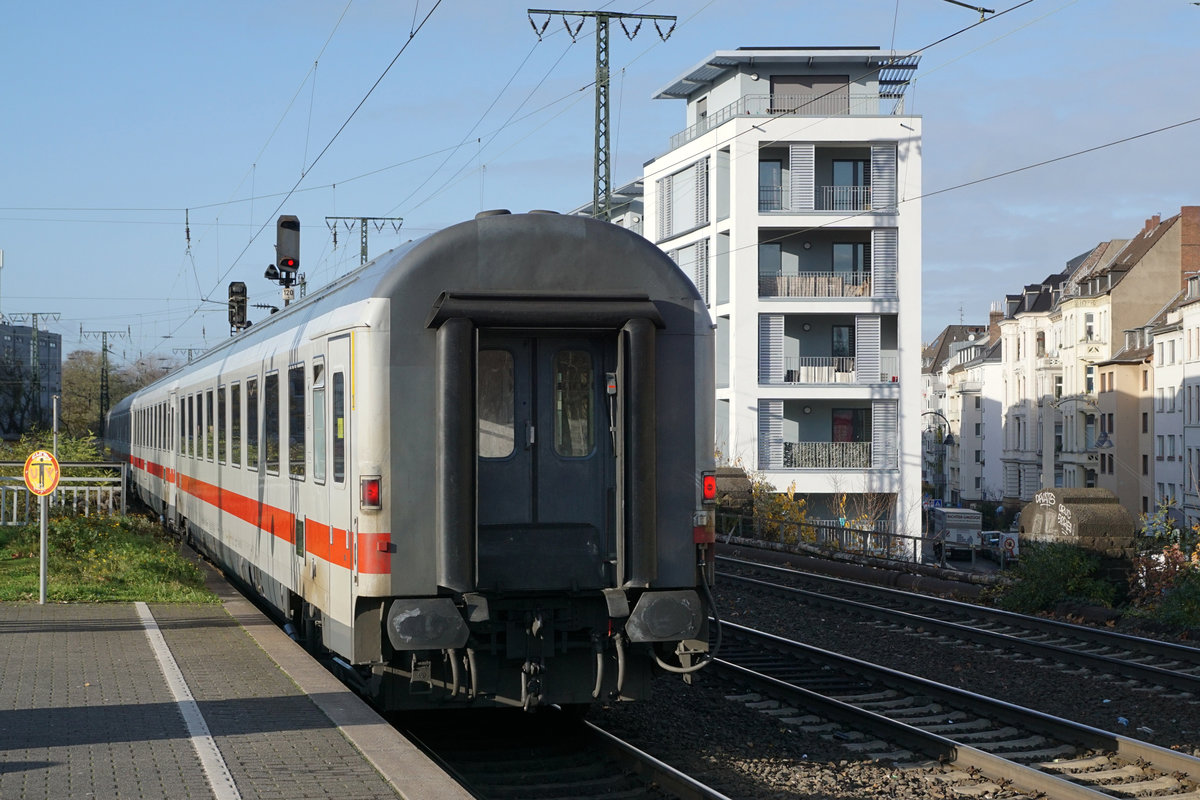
[30,377]
[790,197]
[1101,373]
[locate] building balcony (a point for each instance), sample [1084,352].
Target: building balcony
[817,104]
[815,284]
[832,369]
[827,455]
[829,198]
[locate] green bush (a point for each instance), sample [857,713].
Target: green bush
[1049,574]
[1180,606]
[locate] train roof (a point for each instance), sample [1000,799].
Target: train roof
[495,253]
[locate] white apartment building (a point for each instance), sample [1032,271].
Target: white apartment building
[974,401]
[1032,374]
[791,195]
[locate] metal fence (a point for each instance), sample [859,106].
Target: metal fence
[825,535]
[89,495]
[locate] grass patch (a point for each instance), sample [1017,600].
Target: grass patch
[99,560]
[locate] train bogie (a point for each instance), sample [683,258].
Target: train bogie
[471,468]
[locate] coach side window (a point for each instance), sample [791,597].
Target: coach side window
[221,427]
[271,422]
[296,442]
[235,425]
[318,415]
[182,427]
[191,427]
[209,439]
[339,427]
[252,423]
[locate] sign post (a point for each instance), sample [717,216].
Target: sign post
[41,478]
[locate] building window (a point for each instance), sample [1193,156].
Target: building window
[770,186]
[683,200]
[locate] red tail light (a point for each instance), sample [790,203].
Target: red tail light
[709,487]
[371,496]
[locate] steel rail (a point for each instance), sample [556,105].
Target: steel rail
[943,747]
[1186,681]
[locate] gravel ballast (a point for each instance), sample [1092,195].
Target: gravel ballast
[745,753]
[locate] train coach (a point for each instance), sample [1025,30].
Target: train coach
[476,470]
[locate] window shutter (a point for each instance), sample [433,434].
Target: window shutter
[770,434]
[701,277]
[883,178]
[770,348]
[802,176]
[663,194]
[883,434]
[866,348]
[702,191]
[884,262]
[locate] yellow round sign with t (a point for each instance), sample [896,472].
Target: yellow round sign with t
[41,478]
[41,472]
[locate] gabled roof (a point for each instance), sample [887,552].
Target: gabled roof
[935,355]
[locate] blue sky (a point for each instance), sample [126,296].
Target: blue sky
[120,116]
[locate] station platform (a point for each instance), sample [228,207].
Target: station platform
[134,700]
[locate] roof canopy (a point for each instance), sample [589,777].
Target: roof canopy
[894,68]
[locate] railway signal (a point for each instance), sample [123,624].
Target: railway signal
[287,255]
[237,307]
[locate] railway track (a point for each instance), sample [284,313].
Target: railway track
[891,716]
[1165,665]
[501,755]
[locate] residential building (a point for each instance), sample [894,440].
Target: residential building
[937,431]
[1032,373]
[30,377]
[974,397]
[791,196]
[1118,294]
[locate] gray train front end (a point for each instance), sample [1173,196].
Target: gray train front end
[549,436]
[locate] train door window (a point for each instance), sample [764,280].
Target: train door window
[318,416]
[296,443]
[271,422]
[252,423]
[182,427]
[191,425]
[339,427]
[235,424]
[497,429]
[209,431]
[222,428]
[574,431]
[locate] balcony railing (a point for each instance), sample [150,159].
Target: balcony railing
[818,369]
[833,369]
[772,198]
[815,284]
[817,104]
[832,198]
[845,198]
[826,455]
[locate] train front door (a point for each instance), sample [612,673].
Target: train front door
[546,471]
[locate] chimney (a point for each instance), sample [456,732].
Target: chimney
[994,325]
[1152,223]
